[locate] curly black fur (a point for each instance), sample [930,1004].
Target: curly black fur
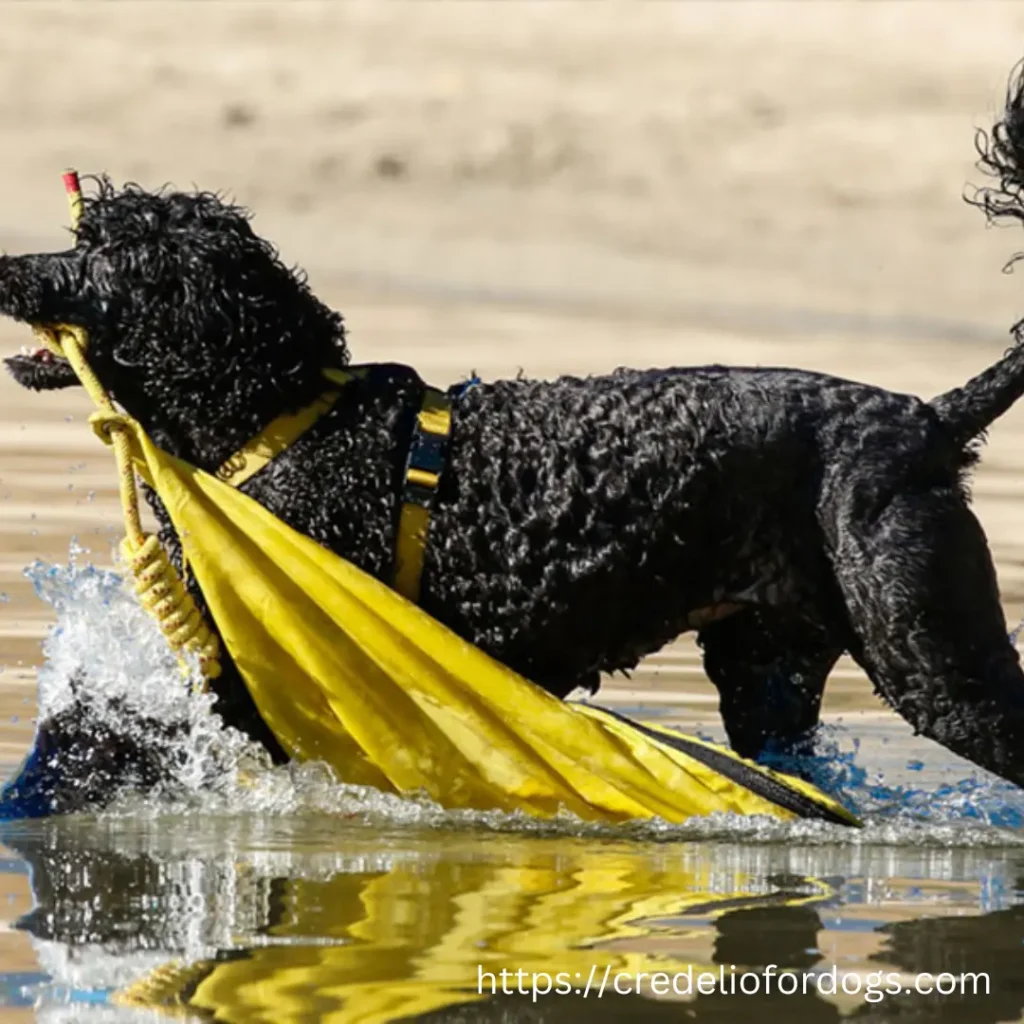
[582,523]
[1001,156]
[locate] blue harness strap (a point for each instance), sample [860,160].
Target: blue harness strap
[428,453]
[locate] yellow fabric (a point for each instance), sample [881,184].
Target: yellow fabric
[282,432]
[436,417]
[423,477]
[341,377]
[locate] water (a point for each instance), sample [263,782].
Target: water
[241,892]
[309,917]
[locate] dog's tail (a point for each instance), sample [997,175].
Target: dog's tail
[969,410]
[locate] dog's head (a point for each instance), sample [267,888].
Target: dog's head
[195,326]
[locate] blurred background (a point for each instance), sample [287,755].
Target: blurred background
[544,187]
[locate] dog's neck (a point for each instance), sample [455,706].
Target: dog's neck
[205,424]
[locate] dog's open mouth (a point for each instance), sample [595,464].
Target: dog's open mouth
[41,369]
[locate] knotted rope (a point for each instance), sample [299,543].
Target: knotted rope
[160,589]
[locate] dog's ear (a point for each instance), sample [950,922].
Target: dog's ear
[42,289]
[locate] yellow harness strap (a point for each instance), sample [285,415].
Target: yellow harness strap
[422,472]
[282,432]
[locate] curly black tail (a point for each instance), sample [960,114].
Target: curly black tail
[969,410]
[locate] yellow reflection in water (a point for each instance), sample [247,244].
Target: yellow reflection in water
[413,937]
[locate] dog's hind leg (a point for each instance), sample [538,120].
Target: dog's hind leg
[770,669]
[923,602]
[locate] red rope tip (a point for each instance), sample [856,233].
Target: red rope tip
[71,183]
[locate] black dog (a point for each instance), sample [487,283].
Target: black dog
[583,523]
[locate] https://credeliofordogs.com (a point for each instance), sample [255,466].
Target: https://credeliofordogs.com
[598,982]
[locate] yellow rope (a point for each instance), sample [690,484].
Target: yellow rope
[157,584]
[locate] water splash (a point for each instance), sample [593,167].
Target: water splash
[104,637]
[103,633]
[837,766]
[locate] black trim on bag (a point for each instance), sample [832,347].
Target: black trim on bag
[736,771]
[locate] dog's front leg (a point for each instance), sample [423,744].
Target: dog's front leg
[770,669]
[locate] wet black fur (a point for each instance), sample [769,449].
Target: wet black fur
[582,522]
[86,752]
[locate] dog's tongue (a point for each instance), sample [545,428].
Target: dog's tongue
[41,354]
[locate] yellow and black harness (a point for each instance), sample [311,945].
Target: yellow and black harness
[428,449]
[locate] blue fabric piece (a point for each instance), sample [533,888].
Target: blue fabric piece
[458,390]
